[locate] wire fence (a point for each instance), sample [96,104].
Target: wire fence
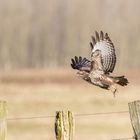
[76,115]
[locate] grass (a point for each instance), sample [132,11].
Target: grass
[47,95]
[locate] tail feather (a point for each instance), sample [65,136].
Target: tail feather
[121,80]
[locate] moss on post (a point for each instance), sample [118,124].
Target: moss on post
[64,125]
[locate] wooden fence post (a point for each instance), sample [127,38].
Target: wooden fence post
[134,110]
[3,124]
[64,125]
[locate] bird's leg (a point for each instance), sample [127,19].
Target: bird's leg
[113,89]
[114,93]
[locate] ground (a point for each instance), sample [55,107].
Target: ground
[42,93]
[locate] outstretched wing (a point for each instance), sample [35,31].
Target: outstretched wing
[82,64]
[103,43]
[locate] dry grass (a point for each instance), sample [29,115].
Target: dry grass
[43,93]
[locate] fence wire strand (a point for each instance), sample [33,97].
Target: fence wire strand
[103,113]
[76,115]
[129,138]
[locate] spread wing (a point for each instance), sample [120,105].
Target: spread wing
[103,43]
[82,64]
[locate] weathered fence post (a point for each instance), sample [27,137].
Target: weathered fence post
[3,124]
[64,125]
[134,110]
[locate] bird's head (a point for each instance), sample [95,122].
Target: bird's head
[96,55]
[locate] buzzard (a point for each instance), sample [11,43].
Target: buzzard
[103,59]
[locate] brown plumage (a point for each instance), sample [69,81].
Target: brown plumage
[103,60]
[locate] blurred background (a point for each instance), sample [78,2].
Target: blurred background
[37,40]
[44,34]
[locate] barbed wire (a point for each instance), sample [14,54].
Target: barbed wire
[76,115]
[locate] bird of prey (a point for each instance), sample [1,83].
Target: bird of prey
[97,71]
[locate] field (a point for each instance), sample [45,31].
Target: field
[41,93]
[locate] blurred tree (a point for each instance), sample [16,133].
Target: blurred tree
[38,33]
